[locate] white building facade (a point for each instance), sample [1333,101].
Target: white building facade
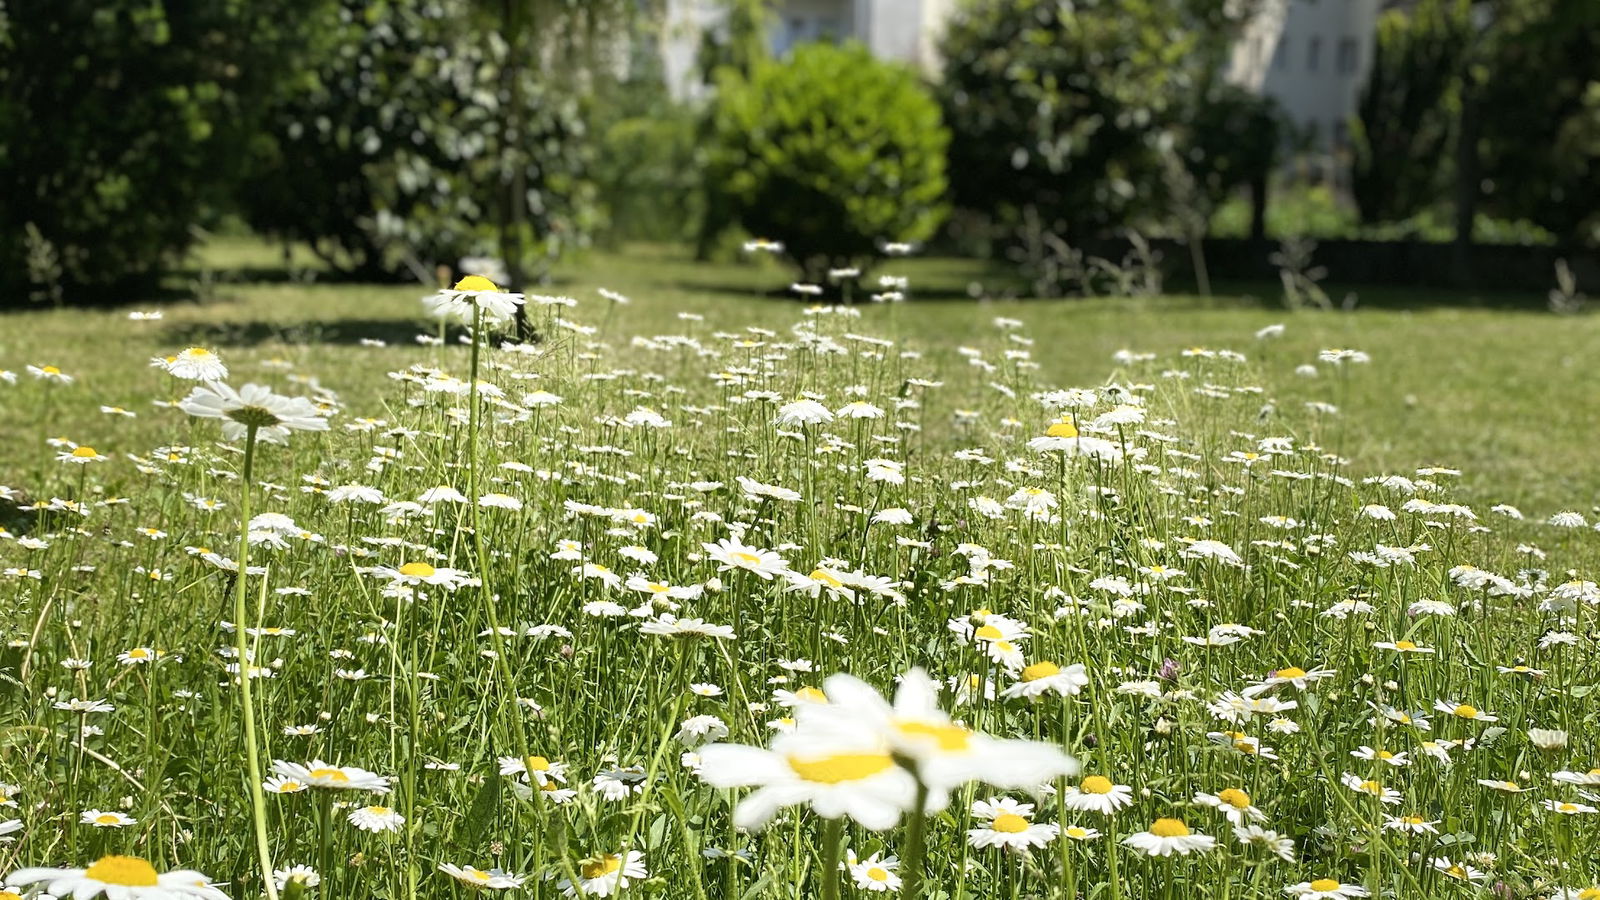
[1312,56]
[904,31]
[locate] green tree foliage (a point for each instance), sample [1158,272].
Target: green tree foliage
[1059,111]
[392,156]
[830,151]
[119,120]
[1405,119]
[1538,93]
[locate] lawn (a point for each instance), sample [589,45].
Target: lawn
[1223,617]
[1490,384]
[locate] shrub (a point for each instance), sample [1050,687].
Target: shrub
[830,152]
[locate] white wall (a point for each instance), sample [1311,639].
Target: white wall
[1319,62]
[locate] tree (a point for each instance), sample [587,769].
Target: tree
[830,151]
[120,121]
[1406,117]
[395,154]
[1536,84]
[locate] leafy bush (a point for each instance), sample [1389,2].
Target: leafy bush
[119,120]
[830,152]
[394,155]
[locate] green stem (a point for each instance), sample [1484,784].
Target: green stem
[258,801]
[916,841]
[832,837]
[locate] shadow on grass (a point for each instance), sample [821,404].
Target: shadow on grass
[347,332]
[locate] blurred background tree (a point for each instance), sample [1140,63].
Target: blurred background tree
[830,151]
[122,122]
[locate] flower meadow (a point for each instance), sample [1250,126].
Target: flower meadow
[808,610]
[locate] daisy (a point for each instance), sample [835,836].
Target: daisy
[1008,826]
[1410,824]
[836,769]
[100,819]
[82,456]
[472,294]
[1292,675]
[120,878]
[946,754]
[732,554]
[606,874]
[1370,788]
[1325,889]
[1096,793]
[537,769]
[876,875]
[253,406]
[376,818]
[1464,711]
[1166,837]
[1233,803]
[1505,787]
[1044,677]
[193,364]
[301,875]
[1567,809]
[492,879]
[1273,842]
[319,774]
[1403,647]
[1459,871]
[414,573]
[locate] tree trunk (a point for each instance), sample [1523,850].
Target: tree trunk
[1258,205]
[1467,178]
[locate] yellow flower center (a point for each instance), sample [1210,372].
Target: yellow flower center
[1457,871]
[8,895]
[1405,645]
[477,874]
[1235,798]
[1040,670]
[811,695]
[1010,823]
[1567,807]
[124,871]
[747,557]
[1062,430]
[85,453]
[1077,831]
[417,570]
[1324,884]
[200,352]
[1292,672]
[1096,784]
[334,775]
[1169,828]
[537,764]
[656,588]
[476,283]
[1411,820]
[875,874]
[840,767]
[950,738]
[50,370]
[825,578]
[1585,894]
[107,819]
[1371,787]
[1466,712]
[596,866]
[138,653]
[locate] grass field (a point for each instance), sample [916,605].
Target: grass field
[1233,617]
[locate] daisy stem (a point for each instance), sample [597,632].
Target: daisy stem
[832,837]
[258,804]
[916,840]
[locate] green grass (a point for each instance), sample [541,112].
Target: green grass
[1506,394]
[1228,534]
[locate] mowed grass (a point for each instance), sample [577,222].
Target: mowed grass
[1490,384]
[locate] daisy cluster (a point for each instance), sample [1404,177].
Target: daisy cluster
[786,611]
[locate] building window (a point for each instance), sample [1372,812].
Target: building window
[1347,56]
[1341,135]
[1280,59]
[1314,54]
